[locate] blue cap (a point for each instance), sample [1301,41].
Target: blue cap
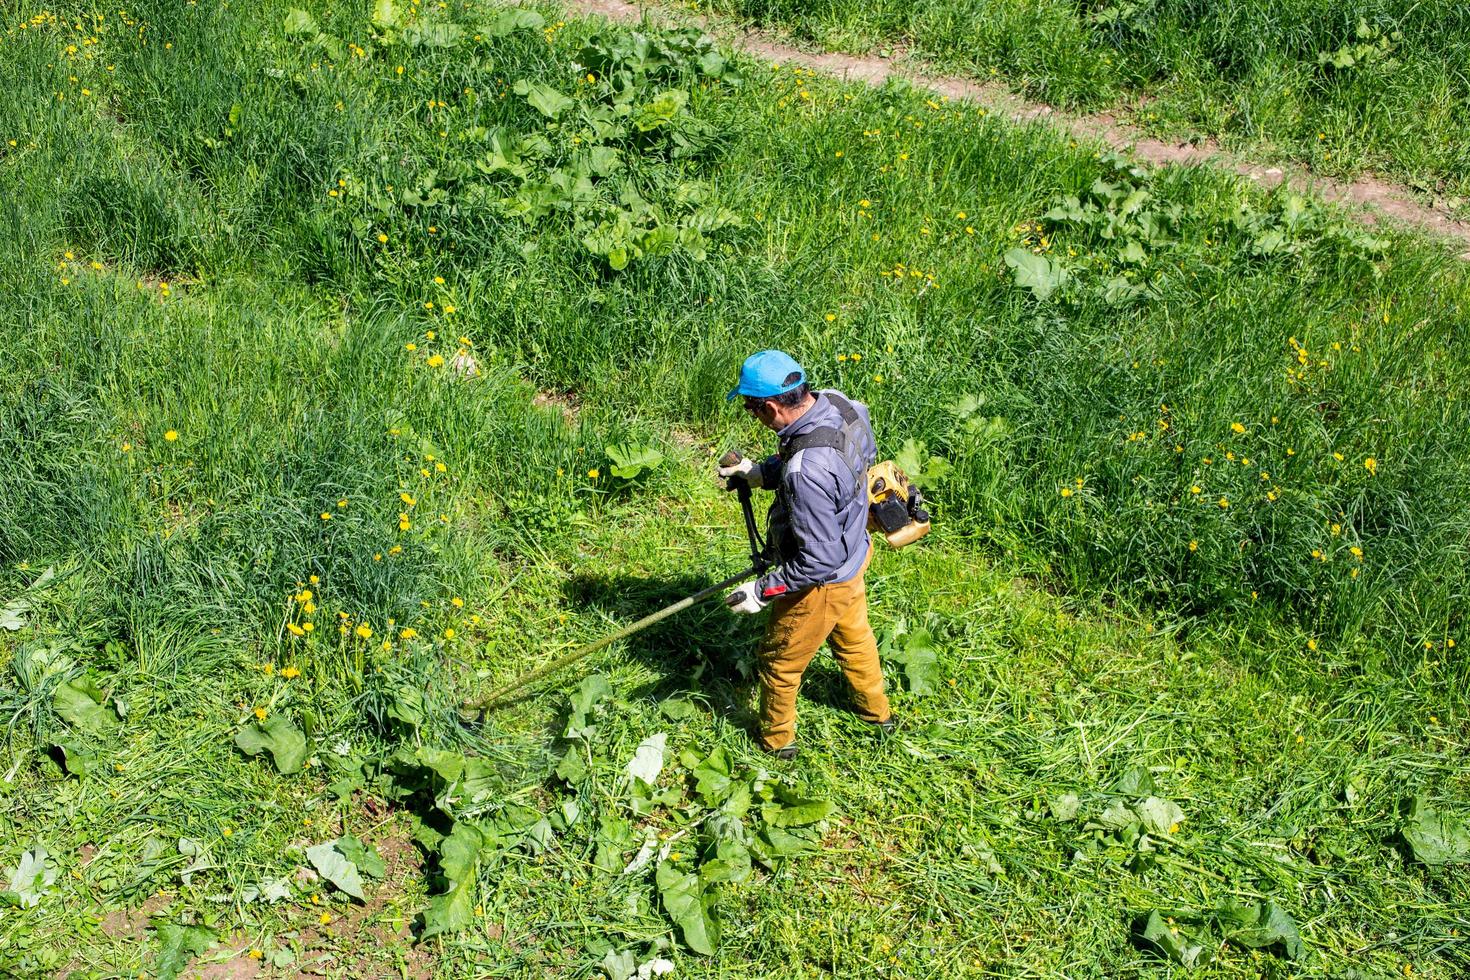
[763,375]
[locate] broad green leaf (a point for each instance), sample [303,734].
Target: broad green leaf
[13,616]
[81,704]
[619,966]
[648,759]
[276,735]
[434,34]
[77,758]
[268,890]
[572,767]
[1065,807]
[460,850]
[1436,837]
[660,110]
[299,21]
[730,863]
[362,854]
[34,877]
[543,98]
[1259,926]
[795,811]
[508,21]
[333,864]
[1134,781]
[459,857]
[198,856]
[1159,816]
[1173,942]
[920,467]
[1117,816]
[614,836]
[592,691]
[1036,272]
[678,709]
[715,777]
[629,459]
[385,16]
[916,652]
[177,944]
[690,906]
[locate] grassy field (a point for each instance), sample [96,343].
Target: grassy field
[358,359]
[1381,85]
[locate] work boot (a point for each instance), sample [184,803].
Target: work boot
[785,753]
[887,726]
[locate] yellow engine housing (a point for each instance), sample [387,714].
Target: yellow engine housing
[889,512]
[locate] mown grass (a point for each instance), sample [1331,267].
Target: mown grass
[1344,88]
[192,246]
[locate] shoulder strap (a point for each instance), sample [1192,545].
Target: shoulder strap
[826,437]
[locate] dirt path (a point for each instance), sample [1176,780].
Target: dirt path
[1372,199]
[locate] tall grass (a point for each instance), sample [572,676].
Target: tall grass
[228,379]
[1377,84]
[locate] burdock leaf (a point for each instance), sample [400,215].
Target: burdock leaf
[362,854]
[689,905]
[796,811]
[1436,837]
[333,865]
[714,777]
[34,877]
[543,98]
[276,735]
[1259,926]
[80,703]
[1172,942]
[1159,816]
[593,690]
[459,857]
[299,21]
[1036,272]
[13,616]
[630,459]
[648,759]
[1135,781]
[177,944]
[198,855]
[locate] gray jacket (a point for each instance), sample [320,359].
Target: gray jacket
[819,522]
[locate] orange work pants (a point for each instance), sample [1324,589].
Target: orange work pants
[798,627]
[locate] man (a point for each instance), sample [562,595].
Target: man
[818,532]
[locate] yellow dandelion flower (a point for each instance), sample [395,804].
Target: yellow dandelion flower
[1237,428]
[593,473]
[260,713]
[365,631]
[171,436]
[457,602]
[290,673]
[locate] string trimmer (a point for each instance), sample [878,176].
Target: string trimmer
[758,564]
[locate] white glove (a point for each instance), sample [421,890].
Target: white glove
[747,471]
[746,599]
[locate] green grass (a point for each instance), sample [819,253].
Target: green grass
[1379,85]
[233,237]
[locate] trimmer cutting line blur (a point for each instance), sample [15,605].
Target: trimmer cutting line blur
[758,564]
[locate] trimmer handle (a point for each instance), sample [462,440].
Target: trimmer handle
[742,490]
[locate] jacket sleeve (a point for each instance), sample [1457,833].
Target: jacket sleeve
[817,527]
